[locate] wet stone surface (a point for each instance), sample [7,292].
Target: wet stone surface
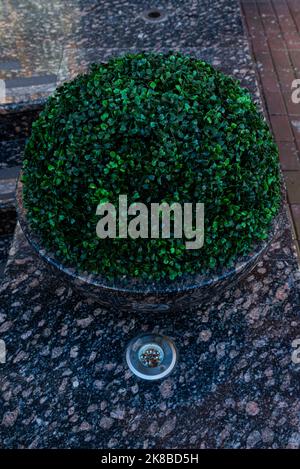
[47,45]
[66,383]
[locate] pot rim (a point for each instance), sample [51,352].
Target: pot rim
[131,285]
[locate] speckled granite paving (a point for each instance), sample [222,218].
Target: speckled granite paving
[65,382]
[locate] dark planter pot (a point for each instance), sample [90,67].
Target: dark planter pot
[129,294]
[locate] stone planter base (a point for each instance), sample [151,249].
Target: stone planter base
[130,294]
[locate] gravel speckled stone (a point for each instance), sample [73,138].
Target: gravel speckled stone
[66,376]
[65,382]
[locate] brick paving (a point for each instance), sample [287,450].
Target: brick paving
[274,34]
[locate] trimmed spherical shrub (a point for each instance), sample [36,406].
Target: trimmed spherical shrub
[157,128]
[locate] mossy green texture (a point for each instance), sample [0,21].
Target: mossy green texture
[157,127]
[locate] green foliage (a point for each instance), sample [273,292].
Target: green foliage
[158,128]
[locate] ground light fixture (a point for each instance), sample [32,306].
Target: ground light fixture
[151,356]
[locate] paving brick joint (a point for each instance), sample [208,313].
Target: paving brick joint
[273,28]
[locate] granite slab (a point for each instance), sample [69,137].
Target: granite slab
[65,382]
[33,49]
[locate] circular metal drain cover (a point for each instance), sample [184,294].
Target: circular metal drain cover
[151,356]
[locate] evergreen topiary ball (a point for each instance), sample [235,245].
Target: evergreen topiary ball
[157,128]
